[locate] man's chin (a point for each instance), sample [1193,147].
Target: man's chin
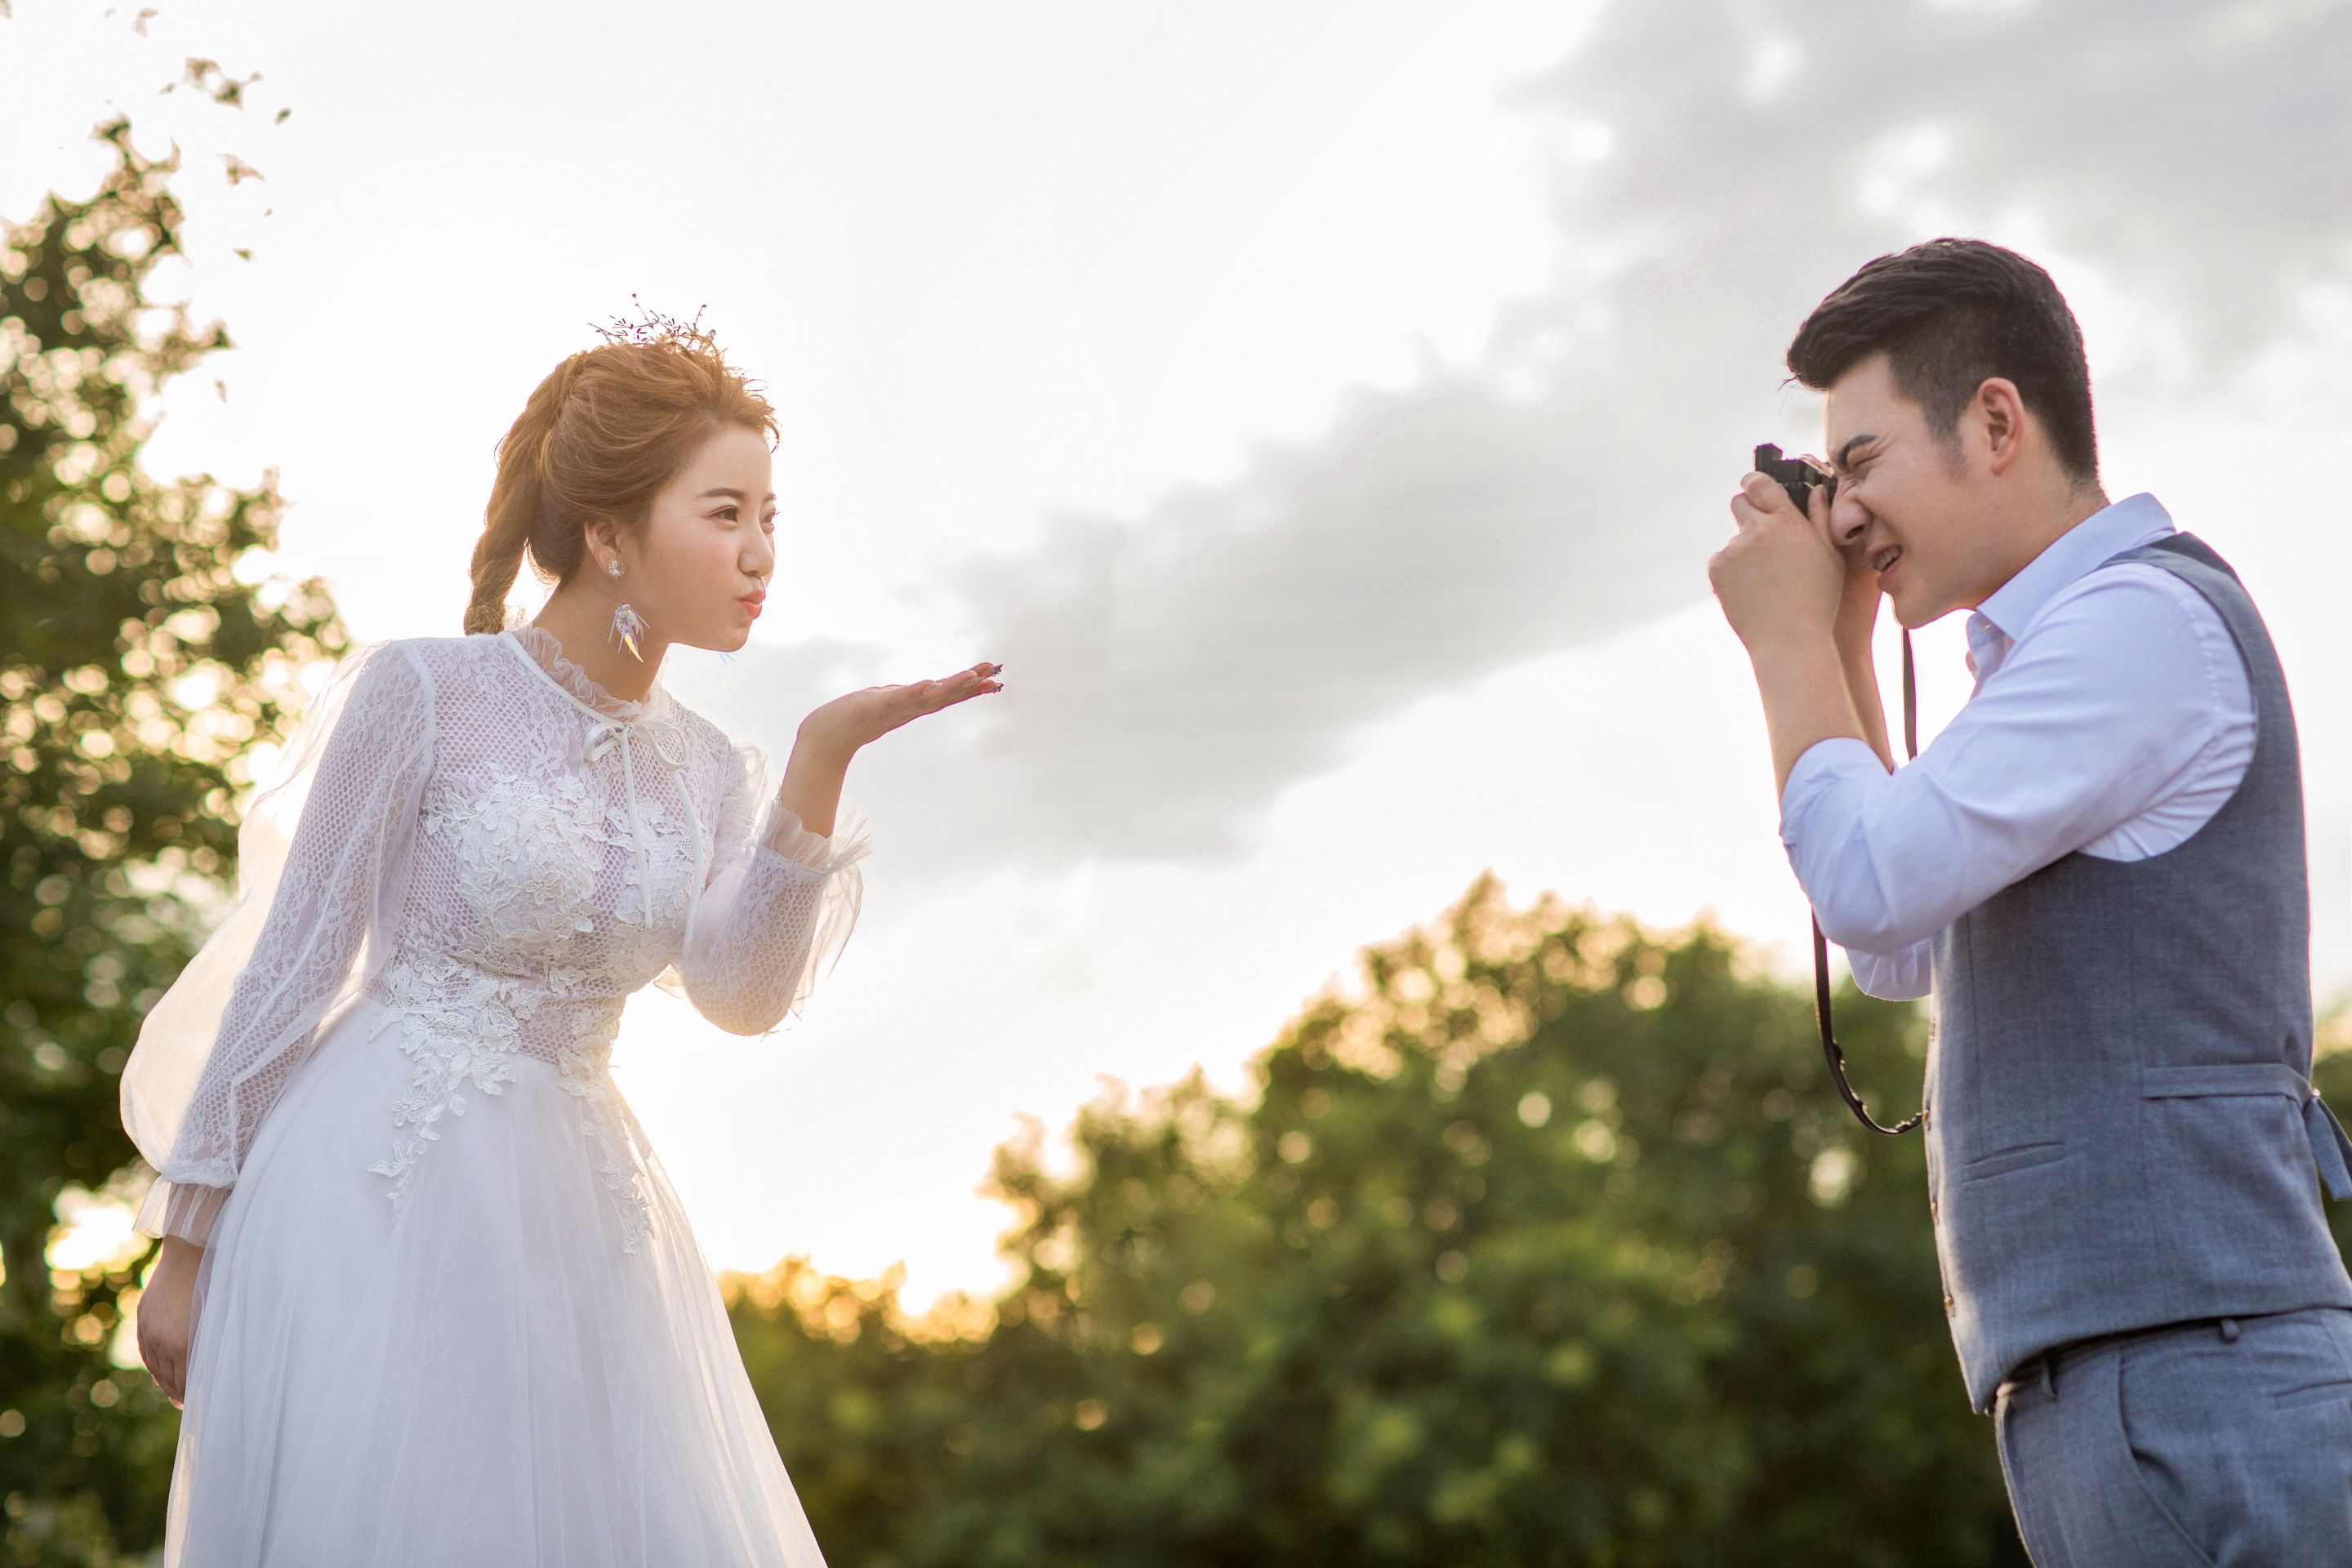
[1911,610]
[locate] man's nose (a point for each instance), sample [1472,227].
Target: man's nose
[1849,521]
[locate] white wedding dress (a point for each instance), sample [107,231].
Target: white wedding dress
[450,1311]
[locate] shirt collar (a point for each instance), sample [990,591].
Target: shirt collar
[2118,526]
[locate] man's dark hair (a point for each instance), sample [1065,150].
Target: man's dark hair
[1950,315]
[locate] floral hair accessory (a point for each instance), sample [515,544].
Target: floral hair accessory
[652,327]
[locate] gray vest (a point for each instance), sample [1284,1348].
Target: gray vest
[2120,1123]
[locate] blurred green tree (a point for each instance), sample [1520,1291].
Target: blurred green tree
[1550,1246]
[143,657]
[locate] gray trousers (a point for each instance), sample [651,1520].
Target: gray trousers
[2212,1444]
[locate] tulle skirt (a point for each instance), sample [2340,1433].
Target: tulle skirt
[493,1381]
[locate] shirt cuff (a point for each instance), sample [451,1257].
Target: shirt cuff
[781,829]
[184,1209]
[1904,976]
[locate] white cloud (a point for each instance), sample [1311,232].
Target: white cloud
[1175,668]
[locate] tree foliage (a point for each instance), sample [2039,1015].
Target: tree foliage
[1550,1246]
[143,660]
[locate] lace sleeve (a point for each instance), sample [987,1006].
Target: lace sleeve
[322,859]
[775,910]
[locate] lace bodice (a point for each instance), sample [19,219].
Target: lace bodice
[473,831]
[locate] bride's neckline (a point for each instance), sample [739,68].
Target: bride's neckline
[543,652]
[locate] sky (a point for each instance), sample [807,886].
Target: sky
[1324,410]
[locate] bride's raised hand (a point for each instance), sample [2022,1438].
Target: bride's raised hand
[844,724]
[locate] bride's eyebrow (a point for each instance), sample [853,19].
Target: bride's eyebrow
[731,493]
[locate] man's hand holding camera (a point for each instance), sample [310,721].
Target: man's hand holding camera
[1804,605]
[1782,582]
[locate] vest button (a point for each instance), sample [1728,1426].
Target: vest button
[1933,1217]
[1950,1306]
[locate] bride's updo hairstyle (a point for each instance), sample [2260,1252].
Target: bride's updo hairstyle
[599,438]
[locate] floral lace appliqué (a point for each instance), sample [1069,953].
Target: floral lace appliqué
[586,1073]
[670,851]
[459,1027]
[526,869]
[526,852]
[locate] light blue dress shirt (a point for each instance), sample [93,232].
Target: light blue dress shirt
[2111,715]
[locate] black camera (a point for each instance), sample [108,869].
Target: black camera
[1797,476]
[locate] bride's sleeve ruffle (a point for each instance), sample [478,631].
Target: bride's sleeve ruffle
[776,910]
[323,854]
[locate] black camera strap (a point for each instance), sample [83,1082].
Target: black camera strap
[1799,477]
[1829,1047]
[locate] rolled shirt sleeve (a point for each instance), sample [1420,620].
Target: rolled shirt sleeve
[1902,976]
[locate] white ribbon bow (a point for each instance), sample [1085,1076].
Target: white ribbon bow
[661,739]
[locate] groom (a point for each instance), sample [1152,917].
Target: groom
[2098,869]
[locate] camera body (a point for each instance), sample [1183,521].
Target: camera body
[1797,476]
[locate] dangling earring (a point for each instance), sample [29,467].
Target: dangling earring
[626,622]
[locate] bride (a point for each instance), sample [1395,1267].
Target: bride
[426,1295]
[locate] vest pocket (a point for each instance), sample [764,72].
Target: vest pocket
[2228,1155]
[2016,1157]
[2223,1081]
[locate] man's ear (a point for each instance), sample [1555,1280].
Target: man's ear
[2000,413]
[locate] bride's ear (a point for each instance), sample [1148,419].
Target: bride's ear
[600,543]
